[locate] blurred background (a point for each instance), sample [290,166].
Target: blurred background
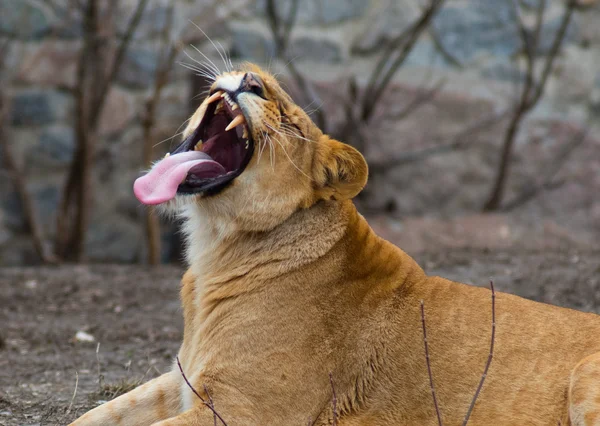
[480,118]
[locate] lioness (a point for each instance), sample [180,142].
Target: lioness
[288,287]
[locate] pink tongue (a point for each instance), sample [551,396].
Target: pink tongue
[160,184]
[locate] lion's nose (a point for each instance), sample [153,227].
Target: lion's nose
[251,83]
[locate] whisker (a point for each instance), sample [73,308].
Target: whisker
[272,155]
[203,73]
[210,63]
[292,162]
[177,133]
[227,56]
[167,139]
[209,66]
[287,131]
[209,39]
[289,158]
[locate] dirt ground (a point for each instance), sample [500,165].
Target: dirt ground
[133,315]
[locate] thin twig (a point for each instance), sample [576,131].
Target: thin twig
[212,404]
[281,35]
[435,402]
[490,356]
[74,393]
[552,169]
[334,401]
[105,85]
[457,142]
[100,376]
[164,66]
[377,88]
[531,91]
[424,96]
[27,203]
[439,46]
[554,50]
[197,394]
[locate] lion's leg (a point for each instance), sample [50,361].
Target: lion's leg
[197,416]
[155,400]
[584,392]
[201,415]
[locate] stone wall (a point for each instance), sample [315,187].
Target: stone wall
[473,47]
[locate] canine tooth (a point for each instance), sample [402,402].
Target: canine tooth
[214,97]
[239,119]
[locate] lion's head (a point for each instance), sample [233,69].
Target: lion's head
[251,155]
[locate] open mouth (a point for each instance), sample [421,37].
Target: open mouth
[208,160]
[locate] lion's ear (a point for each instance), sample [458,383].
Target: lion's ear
[340,171]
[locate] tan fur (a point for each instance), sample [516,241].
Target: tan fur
[287,283]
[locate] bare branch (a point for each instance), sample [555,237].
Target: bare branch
[29,210]
[104,86]
[435,402]
[489,360]
[554,50]
[378,85]
[212,404]
[423,97]
[281,35]
[198,395]
[439,46]
[531,92]
[164,66]
[552,169]
[333,401]
[457,142]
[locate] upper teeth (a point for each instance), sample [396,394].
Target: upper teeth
[238,119]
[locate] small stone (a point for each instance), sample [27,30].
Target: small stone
[31,284]
[82,336]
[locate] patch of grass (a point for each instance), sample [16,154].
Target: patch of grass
[110,391]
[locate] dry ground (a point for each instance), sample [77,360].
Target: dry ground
[134,313]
